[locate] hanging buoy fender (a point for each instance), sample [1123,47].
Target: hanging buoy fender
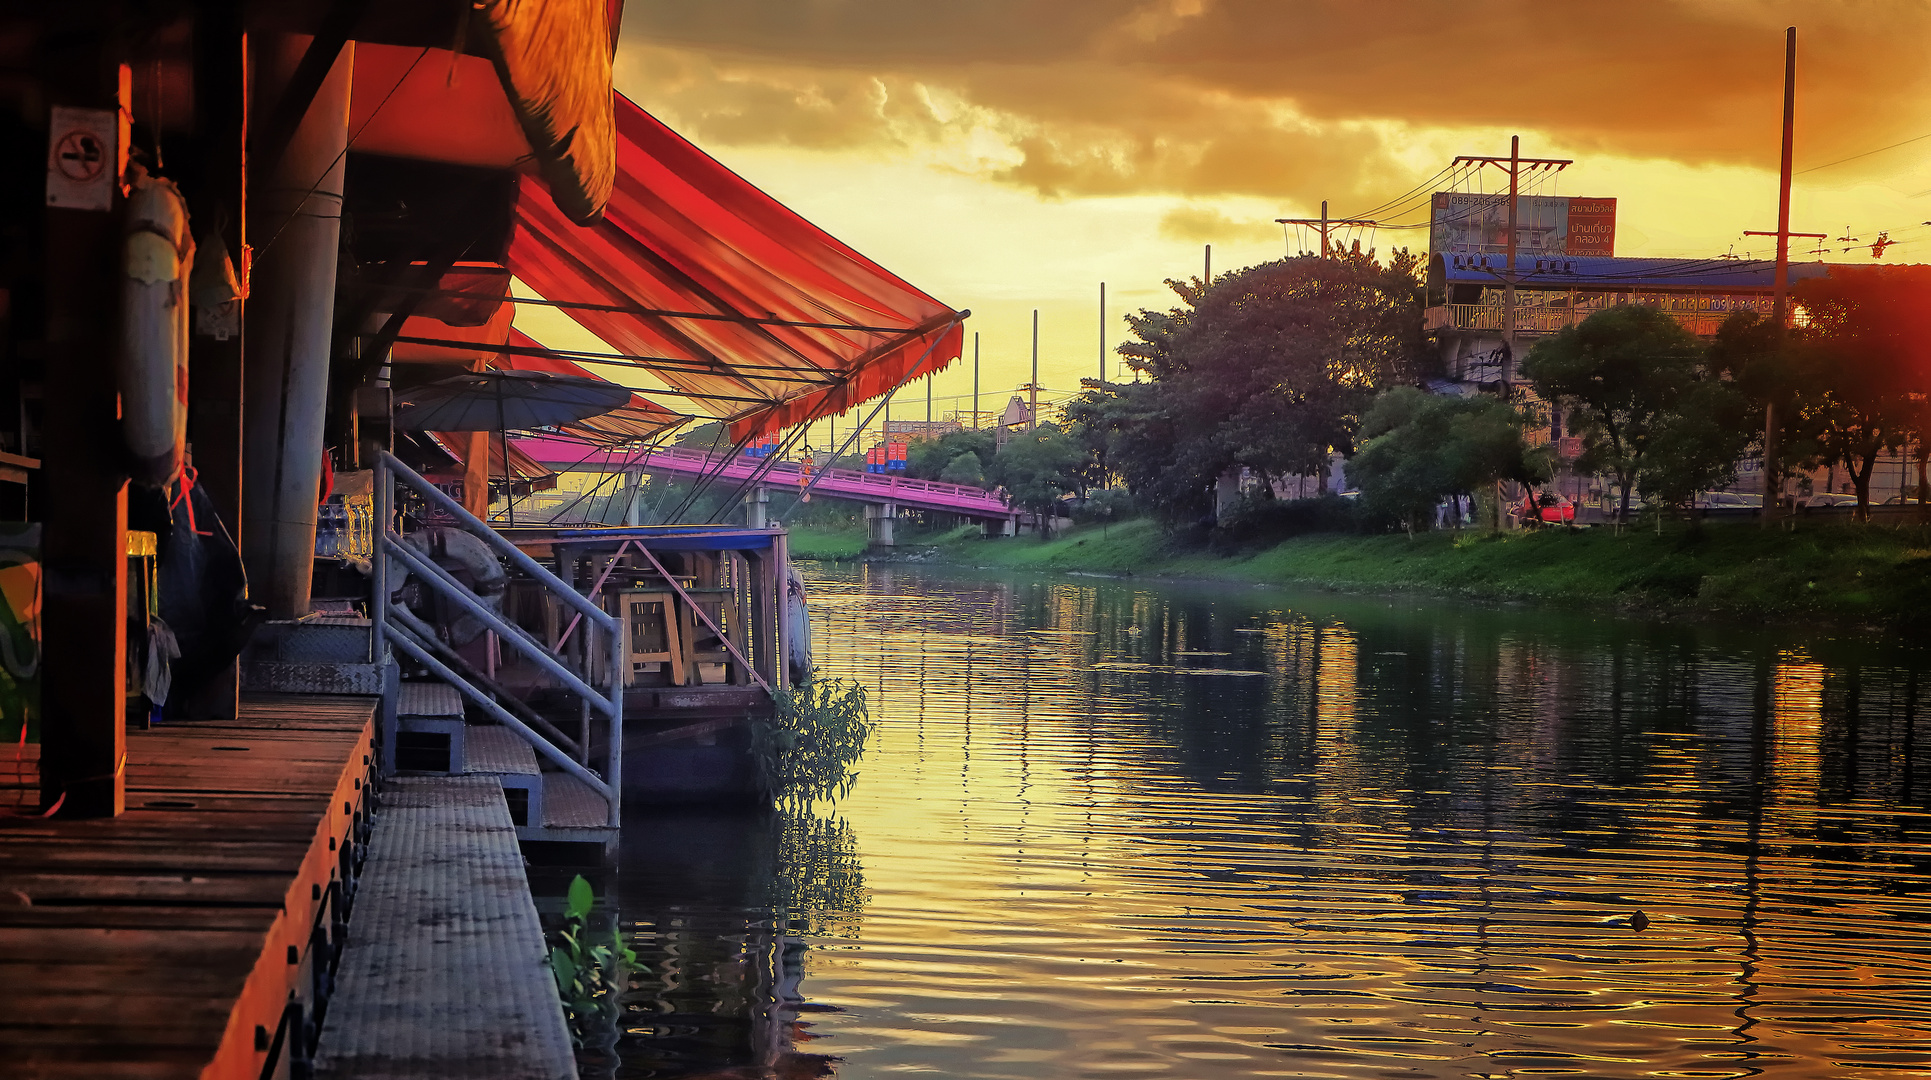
[153,376]
[797,627]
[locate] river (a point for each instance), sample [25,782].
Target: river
[1112,828]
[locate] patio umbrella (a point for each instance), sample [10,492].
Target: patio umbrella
[500,401]
[505,400]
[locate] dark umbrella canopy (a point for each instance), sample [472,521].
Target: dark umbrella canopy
[505,400]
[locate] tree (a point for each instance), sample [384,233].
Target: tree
[1859,356]
[1754,356]
[927,459]
[1038,468]
[964,469]
[1694,447]
[1621,372]
[1420,448]
[1269,368]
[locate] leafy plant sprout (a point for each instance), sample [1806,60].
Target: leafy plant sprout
[589,976]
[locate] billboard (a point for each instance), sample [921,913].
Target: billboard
[1466,222]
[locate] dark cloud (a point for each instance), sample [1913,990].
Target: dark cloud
[1275,98]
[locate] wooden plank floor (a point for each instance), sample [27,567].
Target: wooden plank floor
[446,974]
[174,940]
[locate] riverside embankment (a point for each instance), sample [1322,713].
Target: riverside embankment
[1876,575]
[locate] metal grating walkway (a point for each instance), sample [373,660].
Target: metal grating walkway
[445,973]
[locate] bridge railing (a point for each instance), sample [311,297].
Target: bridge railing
[700,460]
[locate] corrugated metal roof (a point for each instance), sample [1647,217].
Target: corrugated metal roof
[1606,272]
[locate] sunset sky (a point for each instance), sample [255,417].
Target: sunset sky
[1005,155]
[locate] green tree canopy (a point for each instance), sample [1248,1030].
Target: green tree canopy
[1040,467]
[1269,367]
[1620,372]
[1862,365]
[1419,448]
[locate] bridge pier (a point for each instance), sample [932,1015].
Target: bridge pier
[879,519]
[757,502]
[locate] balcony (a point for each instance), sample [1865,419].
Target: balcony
[1545,313]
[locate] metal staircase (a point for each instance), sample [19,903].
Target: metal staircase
[458,721]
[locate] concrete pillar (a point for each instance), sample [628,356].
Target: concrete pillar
[634,497]
[880,518]
[757,502]
[295,225]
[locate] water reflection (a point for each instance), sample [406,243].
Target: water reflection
[1111,829]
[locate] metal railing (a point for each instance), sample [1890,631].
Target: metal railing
[1700,315]
[399,627]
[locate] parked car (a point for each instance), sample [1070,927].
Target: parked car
[1827,499]
[1545,508]
[1904,500]
[1729,500]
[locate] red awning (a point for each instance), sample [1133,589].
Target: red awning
[639,420]
[725,294]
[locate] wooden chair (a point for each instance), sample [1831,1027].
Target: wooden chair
[654,633]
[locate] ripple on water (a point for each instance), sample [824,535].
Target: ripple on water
[1111,830]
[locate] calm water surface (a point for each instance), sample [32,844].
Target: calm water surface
[1113,829]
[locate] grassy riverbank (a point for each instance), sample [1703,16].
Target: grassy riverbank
[1839,572]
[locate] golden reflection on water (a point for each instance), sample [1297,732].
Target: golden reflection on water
[1797,716]
[1111,830]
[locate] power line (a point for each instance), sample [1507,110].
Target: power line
[1867,153]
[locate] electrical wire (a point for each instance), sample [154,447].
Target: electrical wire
[1865,154]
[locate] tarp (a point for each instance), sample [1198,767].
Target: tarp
[546,103]
[723,292]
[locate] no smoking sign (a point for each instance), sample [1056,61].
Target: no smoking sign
[80,158]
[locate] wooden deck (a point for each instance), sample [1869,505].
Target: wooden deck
[190,936]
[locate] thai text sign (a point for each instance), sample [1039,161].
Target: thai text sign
[1465,222]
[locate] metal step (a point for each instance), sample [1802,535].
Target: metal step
[497,751]
[429,717]
[571,812]
[429,700]
[490,750]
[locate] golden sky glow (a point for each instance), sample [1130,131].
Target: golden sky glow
[1004,155]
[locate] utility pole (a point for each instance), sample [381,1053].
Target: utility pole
[1032,421]
[1324,224]
[928,405]
[1772,483]
[1207,274]
[1514,163]
[975,380]
[1102,333]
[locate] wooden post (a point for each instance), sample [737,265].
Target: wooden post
[215,365]
[84,554]
[478,451]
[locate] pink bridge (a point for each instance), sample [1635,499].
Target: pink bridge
[783,476]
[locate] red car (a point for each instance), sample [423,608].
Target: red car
[1545,508]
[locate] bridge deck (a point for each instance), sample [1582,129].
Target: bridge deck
[843,483]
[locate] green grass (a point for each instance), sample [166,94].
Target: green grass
[1839,572]
[807,542]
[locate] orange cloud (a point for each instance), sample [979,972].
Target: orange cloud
[1295,101]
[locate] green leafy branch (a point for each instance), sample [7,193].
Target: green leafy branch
[816,732]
